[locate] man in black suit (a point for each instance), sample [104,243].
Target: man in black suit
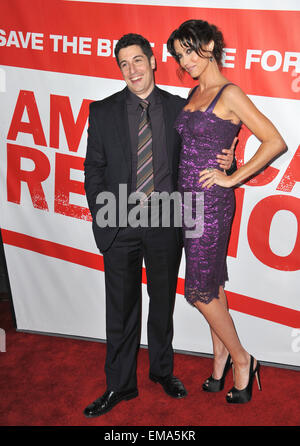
[112,160]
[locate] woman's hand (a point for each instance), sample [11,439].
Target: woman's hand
[225,161]
[215,176]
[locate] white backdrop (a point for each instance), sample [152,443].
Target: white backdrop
[56,273]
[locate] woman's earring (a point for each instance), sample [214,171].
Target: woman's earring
[211,59]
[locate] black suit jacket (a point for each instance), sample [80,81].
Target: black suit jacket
[108,157]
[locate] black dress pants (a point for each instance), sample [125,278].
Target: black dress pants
[161,250]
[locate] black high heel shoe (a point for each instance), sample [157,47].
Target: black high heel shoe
[216,385]
[245,395]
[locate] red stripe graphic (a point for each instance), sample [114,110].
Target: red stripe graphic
[52,249]
[237,302]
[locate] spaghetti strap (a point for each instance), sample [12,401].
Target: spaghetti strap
[215,100]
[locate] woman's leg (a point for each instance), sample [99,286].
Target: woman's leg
[219,349]
[224,332]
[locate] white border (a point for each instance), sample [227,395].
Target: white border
[277,5]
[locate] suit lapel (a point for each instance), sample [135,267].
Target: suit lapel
[121,124]
[169,127]
[122,127]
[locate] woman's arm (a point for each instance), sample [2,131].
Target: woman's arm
[272,143]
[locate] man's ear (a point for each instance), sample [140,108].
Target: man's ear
[152,62]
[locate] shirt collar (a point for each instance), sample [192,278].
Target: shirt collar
[134,100]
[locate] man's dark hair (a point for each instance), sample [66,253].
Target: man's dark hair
[134,39]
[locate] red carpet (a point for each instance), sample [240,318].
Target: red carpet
[47,381]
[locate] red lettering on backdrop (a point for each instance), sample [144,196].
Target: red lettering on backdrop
[26,101]
[292,174]
[60,107]
[64,186]
[236,224]
[261,63]
[259,229]
[34,178]
[263,178]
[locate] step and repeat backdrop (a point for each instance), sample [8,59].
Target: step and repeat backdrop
[55,58]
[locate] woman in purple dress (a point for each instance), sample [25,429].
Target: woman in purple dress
[211,119]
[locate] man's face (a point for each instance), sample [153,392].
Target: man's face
[137,70]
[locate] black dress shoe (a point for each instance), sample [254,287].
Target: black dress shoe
[171,385]
[107,401]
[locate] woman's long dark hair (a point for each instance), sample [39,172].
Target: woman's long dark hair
[194,34]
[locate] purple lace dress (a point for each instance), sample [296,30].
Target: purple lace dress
[204,135]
